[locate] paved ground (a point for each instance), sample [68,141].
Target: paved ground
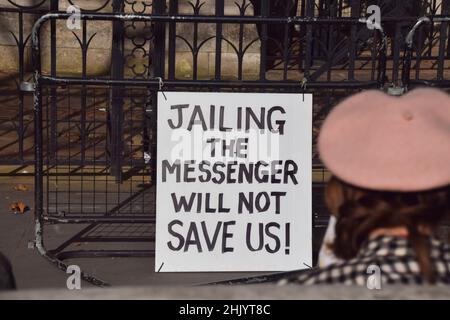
[260,292]
[33,271]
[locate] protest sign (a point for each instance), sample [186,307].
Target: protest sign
[233,182]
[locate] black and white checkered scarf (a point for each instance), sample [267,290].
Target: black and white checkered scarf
[392,257]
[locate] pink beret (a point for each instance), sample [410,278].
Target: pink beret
[375,141]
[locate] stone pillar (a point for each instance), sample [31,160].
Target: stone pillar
[69,54]
[9,33]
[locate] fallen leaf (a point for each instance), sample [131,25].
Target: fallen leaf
[22,207]
[21,187]
[18,207]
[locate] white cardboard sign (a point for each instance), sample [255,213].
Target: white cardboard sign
[233,182]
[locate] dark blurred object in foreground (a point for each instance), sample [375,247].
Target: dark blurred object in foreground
[7,281]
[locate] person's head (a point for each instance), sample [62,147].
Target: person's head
[389,159]
[360,212]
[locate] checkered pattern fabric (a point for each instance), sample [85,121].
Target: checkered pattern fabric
[394,259]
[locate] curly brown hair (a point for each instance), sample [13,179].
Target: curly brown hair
[360,211]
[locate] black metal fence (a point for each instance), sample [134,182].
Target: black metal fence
[326,48]
[95,135]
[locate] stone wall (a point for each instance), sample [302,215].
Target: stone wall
[69,58]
